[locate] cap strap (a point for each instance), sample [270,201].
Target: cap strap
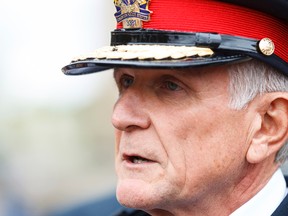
[208,40]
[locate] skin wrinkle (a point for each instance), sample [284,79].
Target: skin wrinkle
[157,133]
[242,190]
[249,186]
[200,132]
[185,177]
[251,79]
[199,95]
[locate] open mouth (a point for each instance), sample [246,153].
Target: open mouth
[136,159]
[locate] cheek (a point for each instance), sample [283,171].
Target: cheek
[210,154]
[174,144]
[210,141]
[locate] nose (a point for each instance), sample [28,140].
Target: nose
[129,112]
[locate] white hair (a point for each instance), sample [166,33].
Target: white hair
[252,78]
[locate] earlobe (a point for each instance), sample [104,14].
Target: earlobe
[258,151]
[270,128]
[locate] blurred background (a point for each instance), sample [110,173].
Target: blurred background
[56,139]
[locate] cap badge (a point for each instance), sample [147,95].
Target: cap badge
[132,12]
[266,46]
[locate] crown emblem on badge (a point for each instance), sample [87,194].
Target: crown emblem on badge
[132,12]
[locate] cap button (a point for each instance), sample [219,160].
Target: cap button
[266,46]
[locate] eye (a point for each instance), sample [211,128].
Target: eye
[172,86]
[126,81]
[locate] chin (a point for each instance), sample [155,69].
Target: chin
[136,194]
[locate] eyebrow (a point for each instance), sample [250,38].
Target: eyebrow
[184,72]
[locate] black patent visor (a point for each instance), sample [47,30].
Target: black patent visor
[226,48]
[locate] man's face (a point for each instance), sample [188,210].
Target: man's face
[177,141]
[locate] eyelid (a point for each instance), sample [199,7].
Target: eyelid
[172,80]
[167,82]
[120,79]
[118,73]
[125,77]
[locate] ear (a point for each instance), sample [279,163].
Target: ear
[270,127]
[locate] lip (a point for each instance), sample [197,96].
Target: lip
[136,160]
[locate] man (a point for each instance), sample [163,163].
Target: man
[201,121]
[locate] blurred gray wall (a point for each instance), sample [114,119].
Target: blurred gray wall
[56,139]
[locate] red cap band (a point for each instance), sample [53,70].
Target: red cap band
[218,17]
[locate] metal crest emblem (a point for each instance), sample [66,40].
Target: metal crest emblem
[132,12]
